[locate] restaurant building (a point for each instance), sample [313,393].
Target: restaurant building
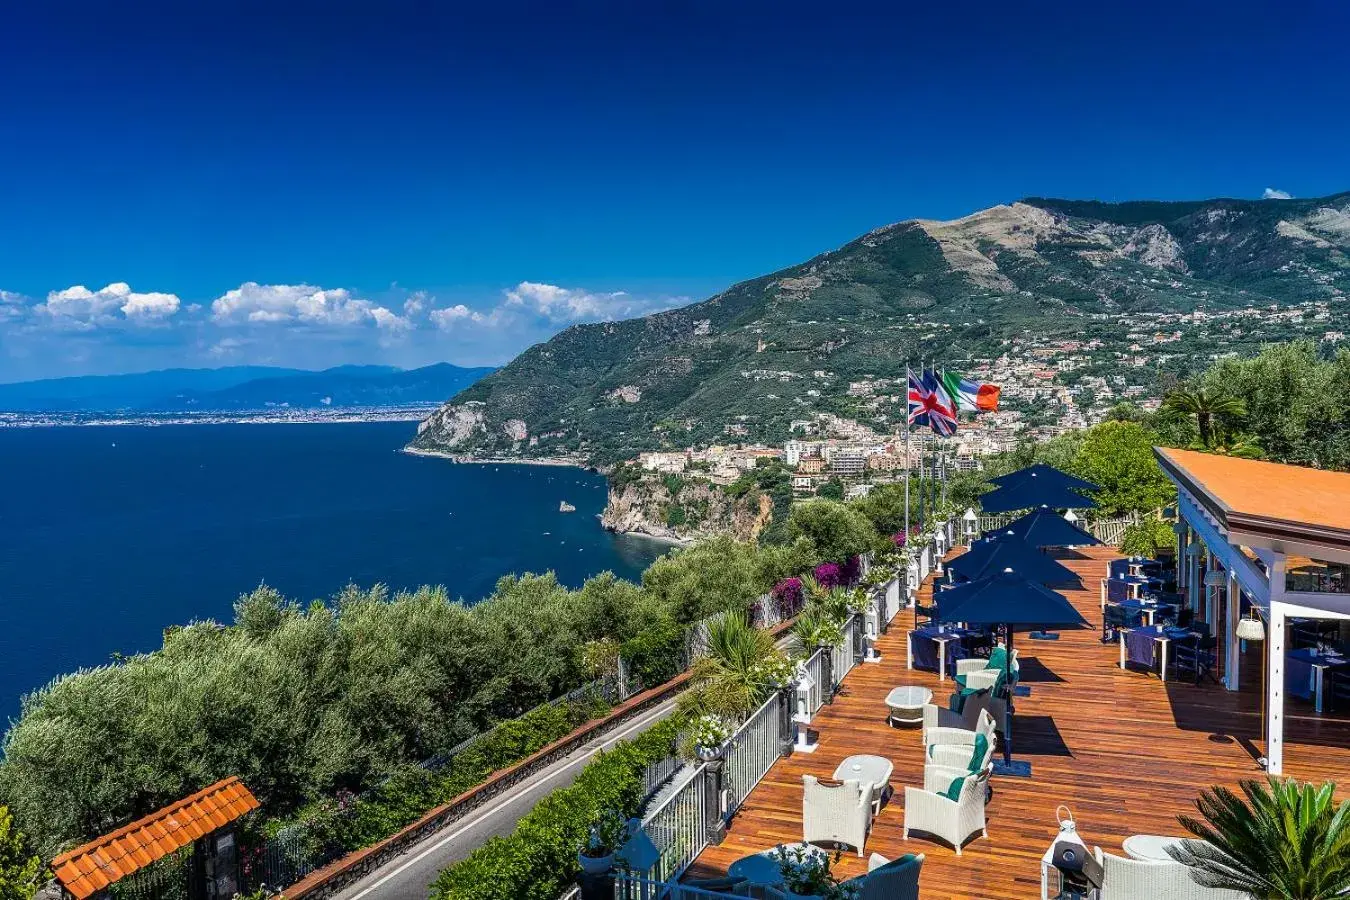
[1268,541]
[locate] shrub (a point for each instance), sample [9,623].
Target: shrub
[828,575]
[788,596]
[1146,537]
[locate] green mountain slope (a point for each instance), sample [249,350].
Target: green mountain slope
[782,347]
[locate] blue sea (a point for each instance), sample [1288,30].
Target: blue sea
[109,534]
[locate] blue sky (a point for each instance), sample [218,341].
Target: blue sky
[318,183]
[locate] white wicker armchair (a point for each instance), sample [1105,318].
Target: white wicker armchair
[841,813]
[975,675]
[937,717]
[954,821]
[953,753]
[1128,879]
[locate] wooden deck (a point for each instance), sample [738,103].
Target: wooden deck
[1124,751]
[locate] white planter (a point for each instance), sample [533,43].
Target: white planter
[595,865]
[708,754]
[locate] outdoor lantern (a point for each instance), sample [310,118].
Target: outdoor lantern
[1068,868]
[1215,578]
[804,684]
[972,523]
[1251,630]
[1069,516]
[803,717]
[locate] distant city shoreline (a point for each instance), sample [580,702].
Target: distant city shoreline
[256,417]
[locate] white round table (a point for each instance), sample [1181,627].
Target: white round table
[1149,847]
[873,770]
[906,703]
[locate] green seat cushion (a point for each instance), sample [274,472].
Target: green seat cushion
[953,791]
[998,658]
[957,701]
[981,747]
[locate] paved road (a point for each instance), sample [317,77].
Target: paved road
[409,876]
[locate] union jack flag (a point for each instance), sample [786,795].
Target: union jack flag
[930,405]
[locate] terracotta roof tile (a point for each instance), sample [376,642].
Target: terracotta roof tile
[97,864]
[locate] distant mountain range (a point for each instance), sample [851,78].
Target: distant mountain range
[745,363]
[239,389]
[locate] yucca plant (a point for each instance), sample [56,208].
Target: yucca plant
[815,627]
[729,680]
[1285,841]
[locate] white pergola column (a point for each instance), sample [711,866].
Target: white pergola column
[1183,533]
[1193,577]
[1275,668]
[1233,645]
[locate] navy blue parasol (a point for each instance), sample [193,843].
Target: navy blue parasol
[1009,552]
[1010,600]
[1046,528]
[1040,473]
[1030,493]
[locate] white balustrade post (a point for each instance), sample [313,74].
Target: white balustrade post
[1232,655]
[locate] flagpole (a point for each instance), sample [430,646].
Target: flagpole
[907,378]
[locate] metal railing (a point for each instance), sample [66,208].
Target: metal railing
[629,887]
[842,654]
[678,827]
[755,747]
[815,668]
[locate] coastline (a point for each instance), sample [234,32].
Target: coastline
[497,461]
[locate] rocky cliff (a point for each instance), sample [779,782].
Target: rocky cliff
[694,510]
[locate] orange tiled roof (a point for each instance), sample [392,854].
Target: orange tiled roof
[102,861]
[1265,496]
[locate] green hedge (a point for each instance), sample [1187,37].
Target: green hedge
[656,655]
[539,859]
[345,823]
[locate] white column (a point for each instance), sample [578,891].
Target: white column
[1232,657]
[1182,530]
[1193,576]
[1275,669]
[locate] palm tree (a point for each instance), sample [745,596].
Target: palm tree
[1285,842]
[728,680]
[1205,405]
[1235,443]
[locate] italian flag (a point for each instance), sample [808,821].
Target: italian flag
[972,396]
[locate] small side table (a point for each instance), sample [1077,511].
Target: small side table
[906,704]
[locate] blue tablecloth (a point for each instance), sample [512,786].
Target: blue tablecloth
[1139,645]
[1139,606]
[925,647]
[1298,670]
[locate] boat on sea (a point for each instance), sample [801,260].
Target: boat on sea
[566,507]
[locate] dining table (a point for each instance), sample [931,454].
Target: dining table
[1146,607]
[1306,669]
[940,641]
[1137,645]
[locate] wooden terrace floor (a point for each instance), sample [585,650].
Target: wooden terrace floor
[1125,752]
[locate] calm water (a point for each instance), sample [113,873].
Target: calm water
[109,534]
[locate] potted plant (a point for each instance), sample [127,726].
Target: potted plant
[775,672]
[807,874]
[710,734]
[607,835]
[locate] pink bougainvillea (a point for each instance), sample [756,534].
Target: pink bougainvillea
[789,596]
[899,540]
[851,571]
[828,575]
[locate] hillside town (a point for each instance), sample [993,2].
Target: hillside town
[1050,385]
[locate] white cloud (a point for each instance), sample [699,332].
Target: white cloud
[12,305]
[1276,194]
[303,303]
[560,304]
[447,317]
[81,308]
